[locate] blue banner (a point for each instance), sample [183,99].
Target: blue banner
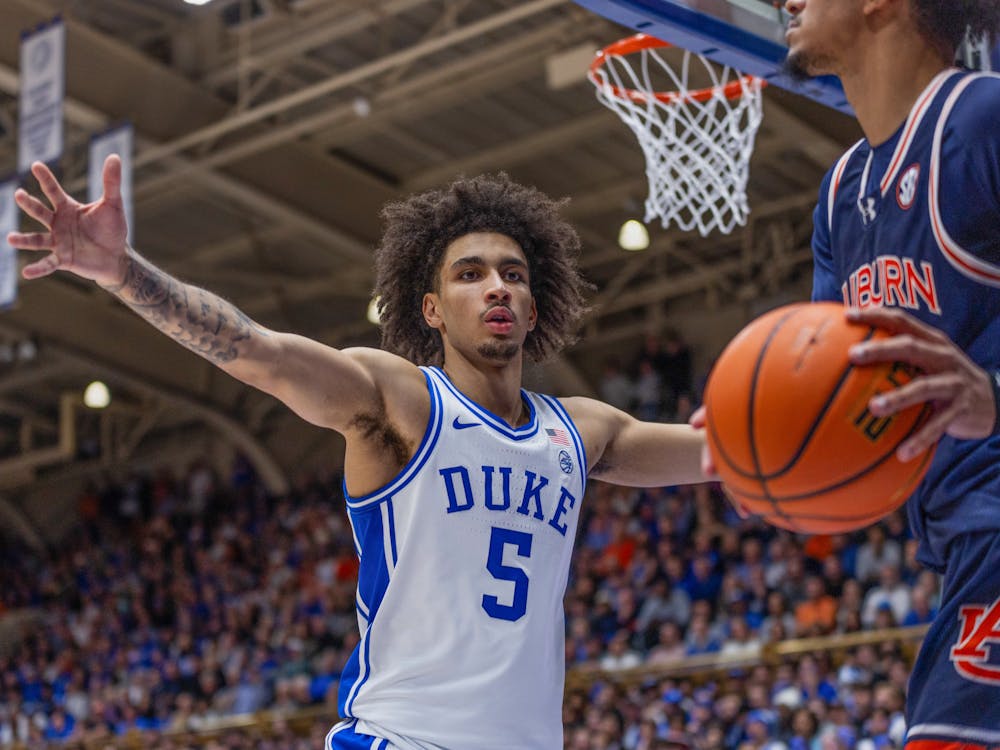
[8,255]
[43,88]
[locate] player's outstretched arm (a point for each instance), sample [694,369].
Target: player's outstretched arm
[624,450]
[323,385]
[962,392]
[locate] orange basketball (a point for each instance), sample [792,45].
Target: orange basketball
[789,428]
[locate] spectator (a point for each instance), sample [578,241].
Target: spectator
[676,368]
[921,611]
[619,654]
[700,638]
[670,646]
[702,582]
[740,642]
[816,614]
[891,592]
[616,387]
[664,602]
[648,392]
[834,575]
[875,554]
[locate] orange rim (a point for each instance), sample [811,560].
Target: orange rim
[639,42]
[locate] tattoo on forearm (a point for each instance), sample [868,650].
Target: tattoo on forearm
[203,322]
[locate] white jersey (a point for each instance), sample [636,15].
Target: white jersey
[464,562]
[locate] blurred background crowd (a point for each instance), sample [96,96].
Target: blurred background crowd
[186,598]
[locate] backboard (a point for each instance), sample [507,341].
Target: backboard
[747,35]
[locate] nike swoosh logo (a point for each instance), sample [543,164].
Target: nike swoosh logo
[463,425]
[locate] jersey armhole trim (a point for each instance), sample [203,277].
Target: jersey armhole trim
[835,178]
[567,420]
[961,259]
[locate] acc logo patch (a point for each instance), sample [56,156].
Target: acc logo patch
[906,188]
[980,629]
[565,462]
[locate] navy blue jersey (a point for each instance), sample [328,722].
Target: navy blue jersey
[915,223]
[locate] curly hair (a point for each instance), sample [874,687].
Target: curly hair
[417,231]
[945,22]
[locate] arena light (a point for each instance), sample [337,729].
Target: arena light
[633,236]
[197,2]
[372,314]
[97,395]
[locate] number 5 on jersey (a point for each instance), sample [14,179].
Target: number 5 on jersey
[499,540]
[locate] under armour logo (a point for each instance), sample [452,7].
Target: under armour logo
[868,211]
[971,655]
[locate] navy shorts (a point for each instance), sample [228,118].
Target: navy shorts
[955,685]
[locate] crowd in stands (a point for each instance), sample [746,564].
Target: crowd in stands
[183,601]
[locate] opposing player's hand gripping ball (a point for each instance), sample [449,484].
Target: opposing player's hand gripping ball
[789,429]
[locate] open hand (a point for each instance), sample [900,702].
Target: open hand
[959,390]
[86,239]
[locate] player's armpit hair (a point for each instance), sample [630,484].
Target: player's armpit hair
[945,22]
[375,427]
[417,231]
[599,469]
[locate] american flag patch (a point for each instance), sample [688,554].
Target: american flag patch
[557,436]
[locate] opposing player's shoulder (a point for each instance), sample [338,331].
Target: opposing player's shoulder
[976,110]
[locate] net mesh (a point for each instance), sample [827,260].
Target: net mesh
[697,144]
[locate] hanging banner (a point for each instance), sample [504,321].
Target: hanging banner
[43,86]
[118,140]
[8,255]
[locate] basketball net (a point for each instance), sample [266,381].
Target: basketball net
[697,143]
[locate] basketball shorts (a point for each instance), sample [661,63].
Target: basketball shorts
[954,691]
[344,736]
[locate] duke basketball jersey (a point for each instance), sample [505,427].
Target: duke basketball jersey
[915,223]
[464,561]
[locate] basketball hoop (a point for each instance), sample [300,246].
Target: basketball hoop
[697,141]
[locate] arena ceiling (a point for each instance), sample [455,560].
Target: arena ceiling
[269,134]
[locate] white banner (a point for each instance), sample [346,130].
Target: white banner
[117,141]
[8,256]
[43,84]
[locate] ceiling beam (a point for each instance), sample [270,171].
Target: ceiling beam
[212,132]
[439,87]
[300,36]
[251,198]
[509,154]
[502,65]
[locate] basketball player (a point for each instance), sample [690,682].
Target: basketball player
[463,489]
[907,234]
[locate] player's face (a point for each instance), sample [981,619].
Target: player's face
[483,303]
[820,34]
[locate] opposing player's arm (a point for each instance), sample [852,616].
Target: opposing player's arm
[624,450]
